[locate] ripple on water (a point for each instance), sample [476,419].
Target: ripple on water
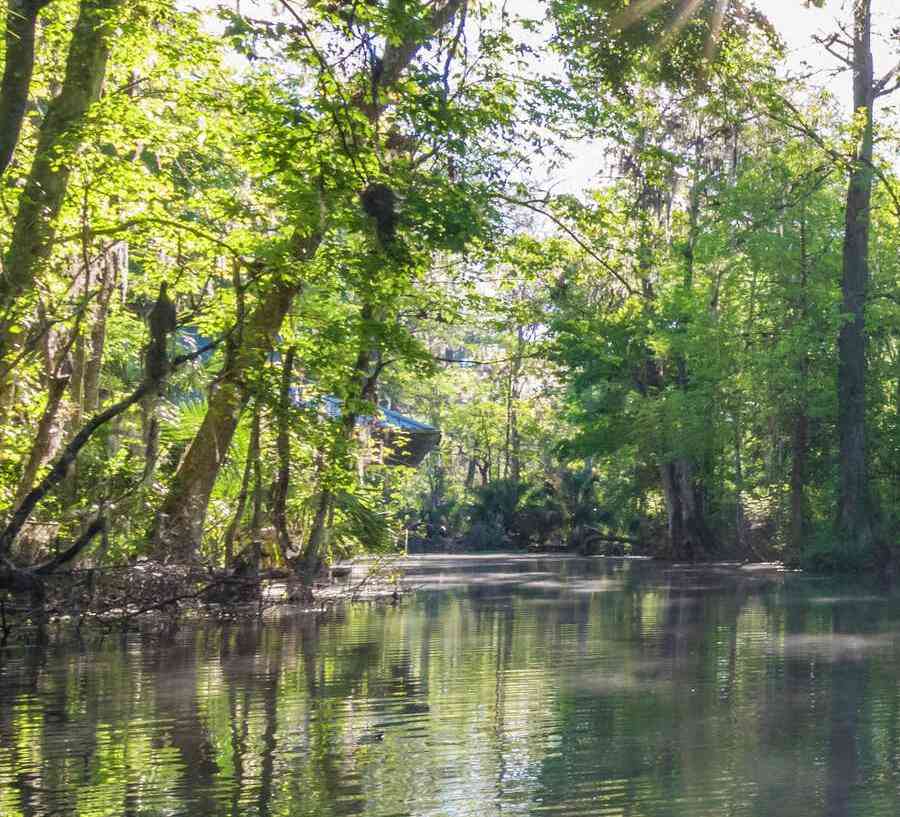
[505,685]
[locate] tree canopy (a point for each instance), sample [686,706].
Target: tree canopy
[222,223]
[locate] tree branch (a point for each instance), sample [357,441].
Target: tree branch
[828,44]
[466,361]
[58,472]
[880,88]
[45,569]
[166,222]
[535,208]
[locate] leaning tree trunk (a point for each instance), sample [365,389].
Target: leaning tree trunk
[82,379]
[254,558]
[180,521]
[41,448]
[16,578]
[856,510]
[311,559]
[179,526]
[47,182]
[234,526]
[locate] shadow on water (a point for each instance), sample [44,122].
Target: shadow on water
[505,684]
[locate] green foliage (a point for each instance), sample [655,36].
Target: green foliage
[677,315]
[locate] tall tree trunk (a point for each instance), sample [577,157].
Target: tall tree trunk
[800,426]
[515,440]
[55,351]
[283,478]
[235,525]
[856,510]
[21,22]
[799,456]
[311,559]
[689,536]
[112,267]
[470,473]
[47,182]
[515,456]
[41,449]
[740,516]
[95,284]
[77,373]
[257,510]
[318,536]
[508,435]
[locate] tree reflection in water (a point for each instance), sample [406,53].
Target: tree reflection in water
[552,686]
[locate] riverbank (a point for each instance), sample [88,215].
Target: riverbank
[153,596]
[161,596]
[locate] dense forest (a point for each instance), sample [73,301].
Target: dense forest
[236,238]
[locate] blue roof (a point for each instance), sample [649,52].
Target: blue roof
[385,416]
[394,418]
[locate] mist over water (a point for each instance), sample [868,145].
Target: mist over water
[503,685]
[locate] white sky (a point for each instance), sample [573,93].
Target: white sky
[797,24]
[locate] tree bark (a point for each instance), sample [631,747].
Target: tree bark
[740,516]
[800,427]
[256,513]
[312,554]
[255,555]
[689,535]
[800,452]
[856,511]
[47,182]
[235,524]
[112,266]
[41,449]
[470,473]
[22,513]
[283,478]
[60,374]
[21,23]
[311,559]
[179,527]
[513,466]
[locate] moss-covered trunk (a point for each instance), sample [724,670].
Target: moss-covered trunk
[179,527]
[21,23]
[47,182]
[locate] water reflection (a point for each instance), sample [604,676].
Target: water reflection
[519,685]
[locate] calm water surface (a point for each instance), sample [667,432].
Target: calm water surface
[518,685]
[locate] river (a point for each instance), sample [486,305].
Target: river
[500,686]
